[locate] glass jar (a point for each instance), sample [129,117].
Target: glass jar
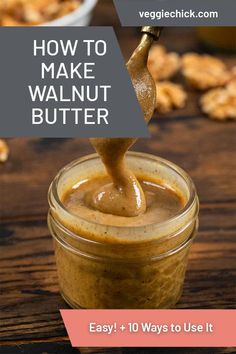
[103,266]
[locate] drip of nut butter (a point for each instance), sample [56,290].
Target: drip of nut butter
[124,195]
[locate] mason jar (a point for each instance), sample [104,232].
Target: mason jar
[137,267]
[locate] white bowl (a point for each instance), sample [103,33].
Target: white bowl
[79,17]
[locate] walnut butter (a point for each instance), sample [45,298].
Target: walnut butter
[123,222]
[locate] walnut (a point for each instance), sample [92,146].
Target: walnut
[10,21]
[29,14]
[170,96]
[35,12]
[204,71]
[67,7]
[161,64]
[4,151]
[220,103]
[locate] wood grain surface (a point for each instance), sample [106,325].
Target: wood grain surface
[29,297]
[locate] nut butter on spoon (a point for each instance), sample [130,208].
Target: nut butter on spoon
[123,195]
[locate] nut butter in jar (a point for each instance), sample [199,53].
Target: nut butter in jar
[142,266]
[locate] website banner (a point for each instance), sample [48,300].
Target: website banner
[150,328]
[176,13]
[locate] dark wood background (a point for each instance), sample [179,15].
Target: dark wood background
[30,300]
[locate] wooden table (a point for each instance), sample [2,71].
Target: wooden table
[30,299]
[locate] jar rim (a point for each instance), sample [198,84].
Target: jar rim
[53,189]
[85,254]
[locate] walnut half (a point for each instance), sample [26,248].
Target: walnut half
[204,71]
[220,103]
[161,64]
[170,96]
